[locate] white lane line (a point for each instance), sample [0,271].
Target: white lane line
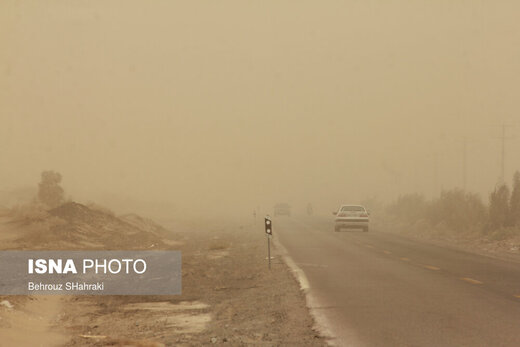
[471,280]
[431,267]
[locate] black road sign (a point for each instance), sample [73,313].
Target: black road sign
[268,226]
[269,232]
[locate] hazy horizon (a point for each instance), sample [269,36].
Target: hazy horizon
[232,105]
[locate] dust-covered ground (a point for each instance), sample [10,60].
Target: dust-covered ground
[229,296]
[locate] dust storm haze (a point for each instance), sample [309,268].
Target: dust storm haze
[231,105]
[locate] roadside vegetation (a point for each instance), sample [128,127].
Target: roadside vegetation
[458,214]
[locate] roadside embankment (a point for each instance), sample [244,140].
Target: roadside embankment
[229,296]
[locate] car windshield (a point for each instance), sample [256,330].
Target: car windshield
[353,208]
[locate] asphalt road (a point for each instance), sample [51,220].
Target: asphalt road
[380,289]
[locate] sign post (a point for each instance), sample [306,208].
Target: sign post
[269,232]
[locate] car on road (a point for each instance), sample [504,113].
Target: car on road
[282,209]
[350,217]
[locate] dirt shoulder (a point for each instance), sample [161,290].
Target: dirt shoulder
[229,297]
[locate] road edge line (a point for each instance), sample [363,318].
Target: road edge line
[321,324]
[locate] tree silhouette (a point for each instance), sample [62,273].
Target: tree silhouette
[49,191]
[499,207]
[514,204]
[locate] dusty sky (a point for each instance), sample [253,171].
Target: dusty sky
[230,105]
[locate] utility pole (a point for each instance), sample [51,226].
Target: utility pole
[435,174]
[503,174]
[464,175]
[464,165]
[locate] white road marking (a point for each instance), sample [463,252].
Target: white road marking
[471,280]
[431,267]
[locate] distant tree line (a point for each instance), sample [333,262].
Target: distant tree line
[459,210]
[504,205]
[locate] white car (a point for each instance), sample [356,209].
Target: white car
[351,216]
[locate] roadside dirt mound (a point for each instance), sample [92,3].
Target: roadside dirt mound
[145,224]
[76,226]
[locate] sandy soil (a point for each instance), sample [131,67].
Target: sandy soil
[8,231]
[229,297]
[31,323]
